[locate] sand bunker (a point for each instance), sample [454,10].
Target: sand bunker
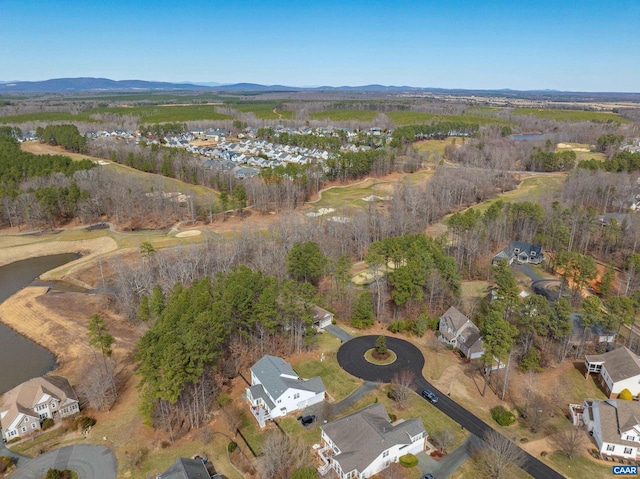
[321,211]
[188,234]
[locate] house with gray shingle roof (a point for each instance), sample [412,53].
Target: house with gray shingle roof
[366,442]
[617,370]
[614,425]
[458,331]
[276,390]
[184,468]
[520,252]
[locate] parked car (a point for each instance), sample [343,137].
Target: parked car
[306,420]
[429,396]
[428,476]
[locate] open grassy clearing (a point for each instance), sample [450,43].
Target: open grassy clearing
[472,291]
[159,114]
[264,111]
[532,188]
[345,115]
[437,145]
[46,116]
[293,428]
[341,197]
[571,115]
[583,151]
[338,382]
[402,118]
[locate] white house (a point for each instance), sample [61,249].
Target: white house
[276,390]
[366,442]
[458,331]
[614,424]
[27,405]
[617,370]
[321,318]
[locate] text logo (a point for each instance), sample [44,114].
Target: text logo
[624,470]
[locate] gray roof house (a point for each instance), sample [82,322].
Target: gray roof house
[366,442]
[614,425]
[617,370]
[460,332]
[184,468]
[276,390]
[520,252]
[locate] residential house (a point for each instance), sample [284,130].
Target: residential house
[276,390]
[617,370]
[366,442]
[195,468]
[321,318]
[520,252]
[458,331]
[27,405]
[597,335]
[614,424]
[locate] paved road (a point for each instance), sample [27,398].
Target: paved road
[89,461]
[351,359]
[446,466]
[19,459]
[549,288]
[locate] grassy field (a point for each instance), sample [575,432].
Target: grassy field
[583,151]
[579,467]
[159,114]
[531,189]
[402,118]
[571,115]
[345,115]
[339,383]
[46,116]
[264,111]
[351,196]
[437,145]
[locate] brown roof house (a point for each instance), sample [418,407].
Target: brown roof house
[366,442]
[617,370]
[27,405]
[458,331]
[614,424]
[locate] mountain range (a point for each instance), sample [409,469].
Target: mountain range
[97,85]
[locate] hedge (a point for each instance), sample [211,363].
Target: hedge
[408,461]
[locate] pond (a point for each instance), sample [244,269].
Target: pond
[20,358]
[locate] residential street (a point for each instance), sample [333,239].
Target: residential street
[351,358]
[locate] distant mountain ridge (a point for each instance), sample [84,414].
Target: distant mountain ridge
[97,85]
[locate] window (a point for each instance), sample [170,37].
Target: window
[33,425]
[611,447]
[24,429]
[630,438]
[296,395]
[385,454]
[53,405]
[627,450]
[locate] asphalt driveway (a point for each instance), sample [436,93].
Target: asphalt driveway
[89,461]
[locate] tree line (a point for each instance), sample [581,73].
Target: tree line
[67,136]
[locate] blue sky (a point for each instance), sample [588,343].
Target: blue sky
[585,45]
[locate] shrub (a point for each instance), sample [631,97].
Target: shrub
[626,395]
[47,423]
[543,454]
[393,417]
[530,362]
[232,446]
[15,439]
[333,321]
[408,461]
[84,422]
[502,416]
[5,463]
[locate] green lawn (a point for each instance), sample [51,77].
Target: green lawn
[437,145]
[293,428]
[338,382]
[579,467]
[470,468]
[350,196]
[46,116]
[571,115]
[253,435]
[531,189]
[345,115]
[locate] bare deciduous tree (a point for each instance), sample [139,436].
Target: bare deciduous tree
[445,439]
[401,387]
[569,441]
[283,455]
[499,455]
